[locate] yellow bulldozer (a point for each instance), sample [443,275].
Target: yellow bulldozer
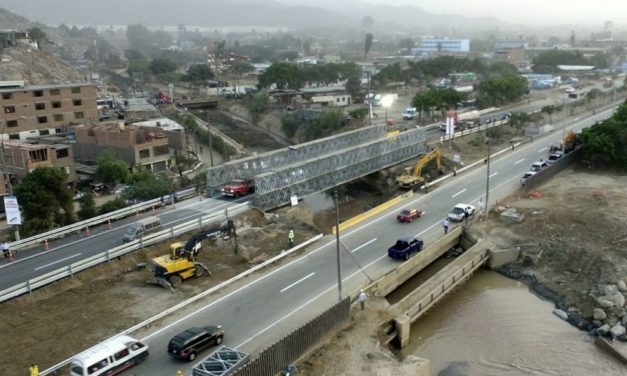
[171,270]
[410,180]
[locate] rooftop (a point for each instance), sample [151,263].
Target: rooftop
[163,123]
[16,86]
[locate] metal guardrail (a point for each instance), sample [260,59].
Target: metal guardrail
[162,314]
[478,128]
[79,226]
[68,271]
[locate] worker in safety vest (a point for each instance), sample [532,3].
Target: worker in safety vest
[34,370]
[290,238]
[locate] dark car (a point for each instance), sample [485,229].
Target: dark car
[408,215]
[187,344]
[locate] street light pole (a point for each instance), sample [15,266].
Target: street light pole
[337,243]
[210,140]
[487,178]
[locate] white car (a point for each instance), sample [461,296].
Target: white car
[553,158]
[569,90]
[539,166]
[409,113]
[526,177]
[457,214]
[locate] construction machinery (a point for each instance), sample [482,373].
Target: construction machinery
[410,180]
[570,140]
[171,270]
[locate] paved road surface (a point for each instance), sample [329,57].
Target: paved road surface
[262,311]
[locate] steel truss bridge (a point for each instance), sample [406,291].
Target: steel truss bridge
[319,165]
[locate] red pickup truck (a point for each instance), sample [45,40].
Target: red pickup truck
[238,187]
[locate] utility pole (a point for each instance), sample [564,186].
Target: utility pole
[369,101]
[487,176]
[210,140]
[337,243]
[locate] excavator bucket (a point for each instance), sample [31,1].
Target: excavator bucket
[161,282]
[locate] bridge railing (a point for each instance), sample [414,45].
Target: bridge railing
[70,270]
[80,226]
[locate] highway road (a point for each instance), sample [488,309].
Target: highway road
[30,264]
[257,313]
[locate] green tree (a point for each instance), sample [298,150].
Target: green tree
[38,36]
[146,186]
[290,122]
[607,141]
[549,110]
[162,65]
[198,73]
[498,90]
[139,65]
[256,104]
[110,169]
[325,124]
[45,199]
[283,75]
[88,207]
[112,205]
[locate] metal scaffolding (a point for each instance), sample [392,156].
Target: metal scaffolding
[221,362]
[251,166]
[274,188]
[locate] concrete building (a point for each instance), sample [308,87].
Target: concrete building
[432,46]
[22,157]
[510,44]
[141,148]
[31,111]
[11,38]
[136,108]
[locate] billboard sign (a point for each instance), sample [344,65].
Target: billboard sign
[12,210]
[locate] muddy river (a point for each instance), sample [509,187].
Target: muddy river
[496,326]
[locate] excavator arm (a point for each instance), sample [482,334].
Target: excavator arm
[192,247]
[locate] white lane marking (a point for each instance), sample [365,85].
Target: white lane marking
[494,174]
[284,289]
[58,261]
[334,286]
[363,245]
[459,193]
[427,229]
[541,150]
[113,229]
[520,160]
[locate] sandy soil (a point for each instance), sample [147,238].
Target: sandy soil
[573,238]
[56,322]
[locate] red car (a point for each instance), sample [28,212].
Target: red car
[408,215]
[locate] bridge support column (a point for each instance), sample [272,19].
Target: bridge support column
[403,325]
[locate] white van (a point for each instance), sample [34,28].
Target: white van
[142,227]
[110,357]
[410,113]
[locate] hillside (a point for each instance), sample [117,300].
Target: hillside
[35,67]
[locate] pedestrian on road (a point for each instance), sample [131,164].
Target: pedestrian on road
[466,215]
[5,249]
[426,187]
[485,161]
[34,370]
[290,238]
[454,171]
[362,299]
[445,225]
[513,145]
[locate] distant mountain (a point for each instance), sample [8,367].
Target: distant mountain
[222,13]
[9,20]
[212,13]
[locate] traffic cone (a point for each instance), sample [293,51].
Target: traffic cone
[46,245]
[109,223]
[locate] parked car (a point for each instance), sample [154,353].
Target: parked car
[539,166]
[457,214]
[187,344]
[408,215]
[526,177]
[410,113]
[553,158]
[506,116]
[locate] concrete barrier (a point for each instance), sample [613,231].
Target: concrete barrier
[409,268]
[372,212]
[501,257]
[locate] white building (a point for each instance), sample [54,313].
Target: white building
[430,46]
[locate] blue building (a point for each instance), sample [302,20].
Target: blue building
[430,46]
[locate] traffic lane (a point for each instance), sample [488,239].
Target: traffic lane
[43,262]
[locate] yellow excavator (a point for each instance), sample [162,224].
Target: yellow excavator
[407,181]
[170,270]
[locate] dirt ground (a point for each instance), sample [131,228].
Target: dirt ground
[57,321]
[573,237]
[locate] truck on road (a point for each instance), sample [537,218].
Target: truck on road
[238,187]
[404,247]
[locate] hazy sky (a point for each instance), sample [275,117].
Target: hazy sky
[527,11]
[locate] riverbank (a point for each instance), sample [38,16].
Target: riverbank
[573,244]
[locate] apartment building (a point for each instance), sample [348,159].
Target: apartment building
[143,147]
[31,111]
[20,158]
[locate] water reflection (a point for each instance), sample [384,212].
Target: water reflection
[495,326]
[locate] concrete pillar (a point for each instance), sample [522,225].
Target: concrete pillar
[403,325]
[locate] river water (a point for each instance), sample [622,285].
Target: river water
[495,326]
